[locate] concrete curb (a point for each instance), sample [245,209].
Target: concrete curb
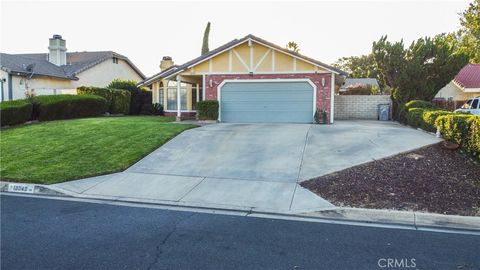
[418,220]
[36,189]
[414,220]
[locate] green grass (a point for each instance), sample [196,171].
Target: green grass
[59,151]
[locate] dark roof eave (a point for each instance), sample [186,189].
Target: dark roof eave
[23,73]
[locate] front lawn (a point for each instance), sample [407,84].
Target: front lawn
[430,179]
[58,151]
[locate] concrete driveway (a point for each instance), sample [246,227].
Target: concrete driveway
[245,166]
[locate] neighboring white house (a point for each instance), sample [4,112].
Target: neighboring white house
[465,85]
[59,72]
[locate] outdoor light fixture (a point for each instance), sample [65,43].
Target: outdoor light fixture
[210,83]
[323,82]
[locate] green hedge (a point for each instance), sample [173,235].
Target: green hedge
[419,104]
[120,102]
[472,145]
[207,110]
[454,127]
[139,96]
[461,128]
[98,91]
[69,106]
[15,112]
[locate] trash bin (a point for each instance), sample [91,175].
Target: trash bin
[383,112]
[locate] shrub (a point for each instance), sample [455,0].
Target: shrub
[69,106]
[103,92]
[147,102]
[120,101]
[414,117]
[419,104]
[139,96]
[454,127]
[15,112]
[153,109]
[472,145]
[429,117]
[207,110]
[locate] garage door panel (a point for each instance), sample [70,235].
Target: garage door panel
[254,117]
[267,102]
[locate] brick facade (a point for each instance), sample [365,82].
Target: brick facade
[323,92]
[359,106]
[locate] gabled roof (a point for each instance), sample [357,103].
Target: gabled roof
[18,64]
[76,63]
[468,77]
[229,45]
[363,81]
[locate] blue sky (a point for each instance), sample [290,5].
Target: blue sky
[147,30]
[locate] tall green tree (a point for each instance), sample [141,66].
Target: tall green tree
[206,34]
[419,71]
[363,66]
[469,34]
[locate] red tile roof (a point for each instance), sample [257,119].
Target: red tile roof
[469,76]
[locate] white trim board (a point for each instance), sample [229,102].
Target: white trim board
[219,92]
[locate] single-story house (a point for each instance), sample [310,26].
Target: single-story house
[354,82]
[254,81]
[465,85]
[61,72]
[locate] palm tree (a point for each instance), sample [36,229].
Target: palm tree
[292,46]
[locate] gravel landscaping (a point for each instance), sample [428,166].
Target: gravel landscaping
[431,179]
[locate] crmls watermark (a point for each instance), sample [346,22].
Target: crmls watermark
[392,263]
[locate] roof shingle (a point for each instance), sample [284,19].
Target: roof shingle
[76,63]
[469,76]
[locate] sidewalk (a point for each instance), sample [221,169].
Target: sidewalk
[205,192]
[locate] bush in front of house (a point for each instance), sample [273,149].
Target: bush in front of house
[139,96]
[472,145]
[454,127]
[57,107]
[98,91]
[414,117]
[430,116]
[420,104]
[14,112]
[153,109]
[207,109]
[120,101]
[463,129]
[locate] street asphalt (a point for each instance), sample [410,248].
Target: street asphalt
[39,233]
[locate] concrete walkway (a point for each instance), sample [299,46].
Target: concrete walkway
[250,166]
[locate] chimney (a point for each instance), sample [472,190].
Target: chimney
[57,51]
[166,63]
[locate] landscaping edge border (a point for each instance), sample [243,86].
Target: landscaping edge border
[358,216]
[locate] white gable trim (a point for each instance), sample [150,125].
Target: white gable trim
[258,42]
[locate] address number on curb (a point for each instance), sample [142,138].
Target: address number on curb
[22,188]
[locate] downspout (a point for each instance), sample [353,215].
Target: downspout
[3,93]
[10,87]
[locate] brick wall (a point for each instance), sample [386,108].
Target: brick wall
[359,106]
[323,92]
